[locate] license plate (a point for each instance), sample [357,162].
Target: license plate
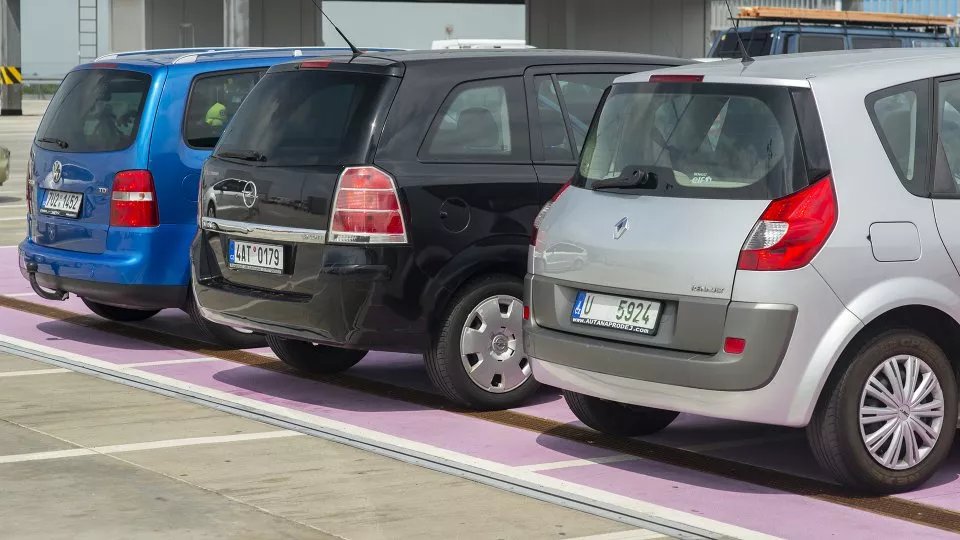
[260,257]
[62,203]
[617,312]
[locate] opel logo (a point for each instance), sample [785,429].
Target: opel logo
[57,172]
[621,227]
[249,193]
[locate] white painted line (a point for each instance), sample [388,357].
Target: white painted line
[16,218]
[154,445]
[33,372]
[20,294]
[578,463]
[2,206]
[9,247]
[363,436]
[167,362]
[636,534]
[723,445]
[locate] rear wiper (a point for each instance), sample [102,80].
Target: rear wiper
[635,179]
[50,140]
[246,155]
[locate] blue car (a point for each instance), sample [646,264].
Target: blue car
[113,175]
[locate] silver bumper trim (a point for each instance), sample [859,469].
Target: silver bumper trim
[264,232]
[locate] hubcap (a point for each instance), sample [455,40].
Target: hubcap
[491,345]
[901,412]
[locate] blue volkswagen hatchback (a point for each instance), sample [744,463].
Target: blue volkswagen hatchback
[113,175]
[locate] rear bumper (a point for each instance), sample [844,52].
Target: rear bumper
[764,385]
[368,304]
[146,269]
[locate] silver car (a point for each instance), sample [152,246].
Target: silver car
[774,241]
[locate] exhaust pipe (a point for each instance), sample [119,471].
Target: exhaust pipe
[58,294]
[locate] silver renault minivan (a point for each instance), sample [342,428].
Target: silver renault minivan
[774,241]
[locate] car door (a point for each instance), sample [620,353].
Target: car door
[946,164]
[561,101]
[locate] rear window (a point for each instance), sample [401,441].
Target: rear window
[95,110]
[758,43]
[706,140]
[308,117]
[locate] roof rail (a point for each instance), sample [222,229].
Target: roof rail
[295,51]
[759,13]
[114,56]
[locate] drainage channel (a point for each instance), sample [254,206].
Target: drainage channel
[889,506]
[295,422]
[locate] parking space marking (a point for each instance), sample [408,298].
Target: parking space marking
[16,218]
[20,294]
[408,450]
[169,362]
[638,534]
[33,372]
[578,463]
[2,206]
[153,445]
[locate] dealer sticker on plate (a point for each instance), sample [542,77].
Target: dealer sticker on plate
[617,312]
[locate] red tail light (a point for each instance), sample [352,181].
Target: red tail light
[543,212]
[792,230]
[315,64]
[134,200]
[676,78]
[366,209]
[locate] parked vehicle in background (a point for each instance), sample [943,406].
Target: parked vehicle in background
[113,173]
[792,30]
[402,222]
[4,164]
[733,269]
[480,44]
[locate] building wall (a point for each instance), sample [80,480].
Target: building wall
[279,23]
[127,25]
[665,27]
[184,23]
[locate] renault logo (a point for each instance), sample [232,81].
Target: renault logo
[57,172]
[249,194]
[621,227]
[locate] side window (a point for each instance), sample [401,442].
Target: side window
[875,43]
[213,100]
[581,94]
[948,164]
[801,43]
[481,121]
[553,130]
[900,117]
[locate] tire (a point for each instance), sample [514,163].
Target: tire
[619,419]
[835,435]
[510,368]
[119,314]
[220,334]
[312,358]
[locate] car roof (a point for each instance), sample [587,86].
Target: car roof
[524,56]
[167,57]
[879,68]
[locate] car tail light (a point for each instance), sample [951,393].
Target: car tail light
[315,64]
[134,200]
[526,313]
[791,230]
[366,209]
[734,345]
[676,78]
[543,212]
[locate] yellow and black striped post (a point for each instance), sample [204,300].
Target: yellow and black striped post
[10,75]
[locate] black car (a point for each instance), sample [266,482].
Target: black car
[387,201]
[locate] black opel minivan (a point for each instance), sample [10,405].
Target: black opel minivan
[386,202]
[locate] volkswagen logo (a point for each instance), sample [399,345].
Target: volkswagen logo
[249,193]
[57,172]
[621,227]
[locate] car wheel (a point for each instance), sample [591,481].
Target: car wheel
[224,336]
[888,420]
[615,418]
[477,359]
[314,358]
[119,314]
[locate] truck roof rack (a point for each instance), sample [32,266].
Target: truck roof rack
[850,18]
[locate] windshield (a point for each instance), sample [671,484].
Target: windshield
[95,110]
[302,118]
[699,140]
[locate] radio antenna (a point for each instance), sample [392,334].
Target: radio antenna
[744,57]
[356,52]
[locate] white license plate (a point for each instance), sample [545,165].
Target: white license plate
[617,312]
[261,257]
[62,203]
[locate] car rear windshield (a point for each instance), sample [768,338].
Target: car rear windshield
[705,140]
[304,118]
[95,110]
